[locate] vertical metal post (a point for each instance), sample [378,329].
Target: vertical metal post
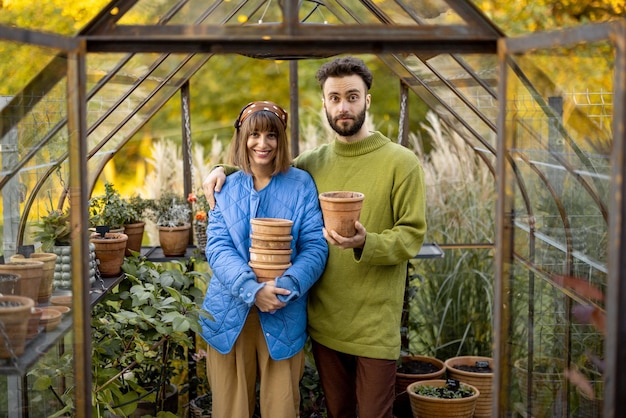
[403,128]
[77,131]
[186,147]
[10,193]
[615,351]
[293,108]
[504,249]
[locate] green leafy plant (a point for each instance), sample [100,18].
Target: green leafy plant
[169,210]
[142,330]
[449,391]
[136,208]
[108,209]
[53,229]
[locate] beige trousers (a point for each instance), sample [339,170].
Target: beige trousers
[233,377]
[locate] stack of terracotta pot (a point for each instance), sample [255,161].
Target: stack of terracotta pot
[270,250]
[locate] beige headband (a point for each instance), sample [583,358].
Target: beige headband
[254,107]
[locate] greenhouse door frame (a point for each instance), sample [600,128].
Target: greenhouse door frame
[615,298]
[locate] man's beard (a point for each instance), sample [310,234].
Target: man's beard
[350,129]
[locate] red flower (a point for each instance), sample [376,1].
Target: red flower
[192,198]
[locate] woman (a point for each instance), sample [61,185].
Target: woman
[254,326]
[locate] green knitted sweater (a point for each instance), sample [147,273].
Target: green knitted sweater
[356,306]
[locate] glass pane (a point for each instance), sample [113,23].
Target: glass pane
[559,139]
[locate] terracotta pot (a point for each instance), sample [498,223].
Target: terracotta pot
[174,240]
[135,237]
[30,271]
[481,380]
[270,256]
[45,285]
[267,272]
[110,252]
[428,407]
[282,242]
[341,210]
[271,226]
[33,323]
[14,321]
[402,404]
[9,283]
[547,381]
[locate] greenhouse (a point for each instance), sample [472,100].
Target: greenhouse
[521,138]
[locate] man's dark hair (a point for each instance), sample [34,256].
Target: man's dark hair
[343,67]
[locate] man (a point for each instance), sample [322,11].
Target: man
[355,308]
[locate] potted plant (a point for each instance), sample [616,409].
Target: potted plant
[110,248]
[108,209]
[439,398]
[547,378]
[413,368]
[134,223]
[476,371]
[171,214]
[53,232]
[142,330]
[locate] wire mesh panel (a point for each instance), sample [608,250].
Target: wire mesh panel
[558,146]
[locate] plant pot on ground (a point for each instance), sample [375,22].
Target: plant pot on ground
[414,368]
[541,395]
[442,398]
[201,406]
[478,372]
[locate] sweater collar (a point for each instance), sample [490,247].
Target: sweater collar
[364,146]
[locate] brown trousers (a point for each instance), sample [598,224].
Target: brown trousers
[233,377]
[355,386]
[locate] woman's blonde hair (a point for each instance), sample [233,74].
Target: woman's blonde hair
[260,121]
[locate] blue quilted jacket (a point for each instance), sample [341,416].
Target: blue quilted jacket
[233,285]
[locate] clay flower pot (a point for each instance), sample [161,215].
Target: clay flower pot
[414,368]
[14,315]
[271,226]
[267,272]
[110,251]
[135,236]
[30,272]
[433,407]
[9,283]
[45,285]
[341,210]
[282,242]
[33,323]
[174,239]
[475,371]
[265,256]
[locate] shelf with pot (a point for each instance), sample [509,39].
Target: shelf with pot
[44,340]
